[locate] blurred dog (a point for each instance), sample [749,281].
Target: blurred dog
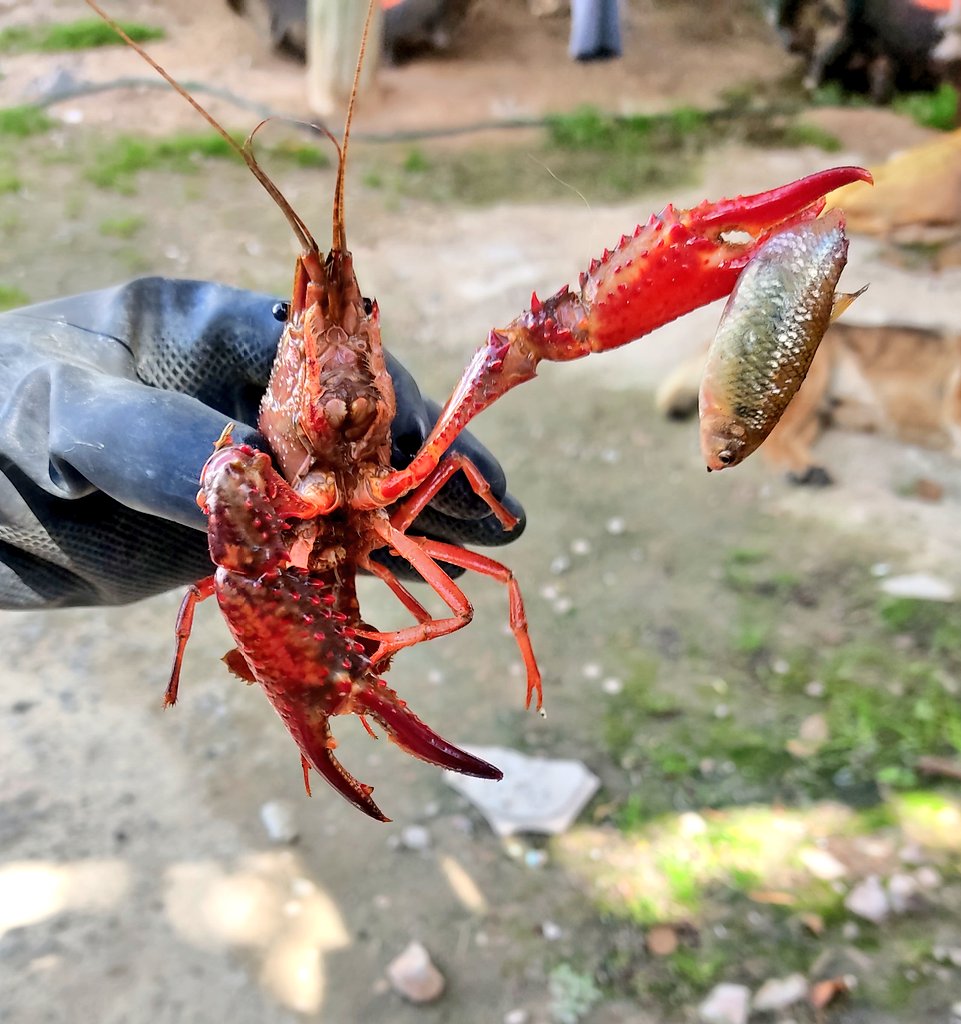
[904,382]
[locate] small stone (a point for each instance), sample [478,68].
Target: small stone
[954,957]
[911,853]
[780,993]
[615,526]
[591,670]
[780,667]
[560,565]
[956,1010]
[722,711]
[822,864]
[815,688]
[414,976]
[581,546]
[869,900]
[850,931]
[612,686]
[516,1017]
[880,569]
[661,940]
[928,877]
[535,858]
[725,1004]
[277,817]
[552,931]
[928,490]
[921,586]
[691,824]
[562,606]
[902,892]
[435,677]
[415,837]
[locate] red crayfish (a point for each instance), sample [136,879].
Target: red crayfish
[288,539]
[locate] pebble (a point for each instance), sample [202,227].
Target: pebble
[928,877]
[911,853]
[902,890]
[277,817]
[850,931]
[822,864]
[581,546]
[725,1004]
[921,586]
[552,931]
[869,900]
[956,1010]
[415,837]
[612,685]
[516,1017]
[615,526]
[780,993]
[815,688]
[591,670]
[560,565]
[414,976]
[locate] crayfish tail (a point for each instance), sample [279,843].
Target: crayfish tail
[411,734]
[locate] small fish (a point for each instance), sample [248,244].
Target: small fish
[770,329]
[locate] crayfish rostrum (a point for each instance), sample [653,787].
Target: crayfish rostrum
[289,538]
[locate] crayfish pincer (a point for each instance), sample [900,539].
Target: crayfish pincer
[288,538]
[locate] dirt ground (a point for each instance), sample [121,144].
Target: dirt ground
[137,882]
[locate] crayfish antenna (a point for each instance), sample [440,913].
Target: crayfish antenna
[339,241]
[245,152]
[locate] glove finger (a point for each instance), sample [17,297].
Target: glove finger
[143,447]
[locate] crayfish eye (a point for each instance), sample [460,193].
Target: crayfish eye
[725,457]
[281,311]
[368,306]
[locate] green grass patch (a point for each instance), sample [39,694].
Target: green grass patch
[9,182]
[122,227]
[24,121]
[11,297]
[938,109]
[118,161]
[84,34]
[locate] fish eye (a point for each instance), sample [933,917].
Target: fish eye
[725,457]
[368,306]
[281,311]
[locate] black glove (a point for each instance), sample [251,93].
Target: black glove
[100,472]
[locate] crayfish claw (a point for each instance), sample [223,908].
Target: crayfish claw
[411,734]
[317,753]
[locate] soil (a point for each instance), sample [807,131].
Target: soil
[137,883]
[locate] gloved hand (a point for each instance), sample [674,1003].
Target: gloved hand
[111,402]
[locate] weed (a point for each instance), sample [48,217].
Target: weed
[72,35]
[11,297]
[573,995]
[9,183]
[122,227]
[416,162]
[937,109]
[21,122]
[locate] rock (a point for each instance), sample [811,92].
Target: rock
[552,931]
[537,794]
[725,1004]
[414,976]
[415,837]
[780,993]
[822,864]
[902,892]
[661,940]
[921,585]
[928,877]
[516,1017]
[956,1011]
[812,735]
[280,824]
[869,900]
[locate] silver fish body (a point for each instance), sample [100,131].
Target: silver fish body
[770,329]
